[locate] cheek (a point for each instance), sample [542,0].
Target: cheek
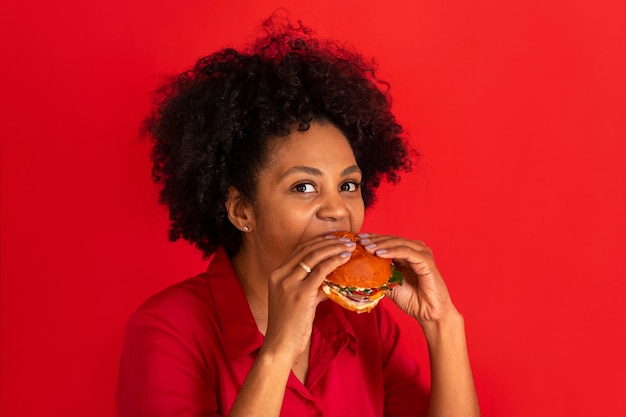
[283,217]
[280,229]
[357,215]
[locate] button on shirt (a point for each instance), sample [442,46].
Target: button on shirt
[188,349]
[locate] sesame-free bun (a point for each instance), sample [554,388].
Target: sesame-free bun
[356,285]
[363,270]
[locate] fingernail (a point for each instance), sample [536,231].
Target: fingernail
[330,237]
[364,240]
[345,254]
[370,246]
[350,244]
[380,251]
[345,239]
[363,235]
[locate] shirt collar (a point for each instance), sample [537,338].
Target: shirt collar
[334,327]
[239,329]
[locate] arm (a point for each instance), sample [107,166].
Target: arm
[452,385]
[167,368]
[424,296]
[293,296]
[161,373]
[264,388]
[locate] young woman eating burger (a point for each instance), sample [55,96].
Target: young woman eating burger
[263,155]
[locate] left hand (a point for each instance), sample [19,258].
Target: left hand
[423,294]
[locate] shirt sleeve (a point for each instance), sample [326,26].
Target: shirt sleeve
[406,387]
[162,370]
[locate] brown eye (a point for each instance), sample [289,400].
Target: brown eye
[304,188]
[349,186]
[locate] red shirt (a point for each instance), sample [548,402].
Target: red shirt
[188,349]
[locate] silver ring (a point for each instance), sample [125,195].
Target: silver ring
[305,267]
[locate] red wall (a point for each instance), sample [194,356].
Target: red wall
[517,107]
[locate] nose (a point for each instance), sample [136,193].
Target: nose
[333,207]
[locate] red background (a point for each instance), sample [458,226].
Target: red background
[517,107]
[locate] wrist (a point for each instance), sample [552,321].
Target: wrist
[274,361]
[449,325]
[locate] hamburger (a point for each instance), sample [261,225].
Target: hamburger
[359,284]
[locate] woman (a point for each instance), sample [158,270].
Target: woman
[261,155]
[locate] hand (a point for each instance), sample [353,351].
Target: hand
[294,293]
[424,294]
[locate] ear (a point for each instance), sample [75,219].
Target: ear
[240,212]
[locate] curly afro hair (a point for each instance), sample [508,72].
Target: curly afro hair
[211,125]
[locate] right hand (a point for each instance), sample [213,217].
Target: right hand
[294,293]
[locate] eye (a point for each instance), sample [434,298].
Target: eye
[349,186]
[304,188]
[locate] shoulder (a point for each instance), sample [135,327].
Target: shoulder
[186,304]
[192,291]
[193,299]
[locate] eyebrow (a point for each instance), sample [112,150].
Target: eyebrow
[316,172]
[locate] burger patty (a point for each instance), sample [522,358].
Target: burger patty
[359,295]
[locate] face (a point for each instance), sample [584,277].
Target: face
[310,188]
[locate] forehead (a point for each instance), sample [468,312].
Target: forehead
[322,144]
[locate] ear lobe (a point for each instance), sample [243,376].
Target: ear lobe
[239,210]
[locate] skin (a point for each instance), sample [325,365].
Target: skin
[304,194]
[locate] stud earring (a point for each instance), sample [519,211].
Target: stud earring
[246,229]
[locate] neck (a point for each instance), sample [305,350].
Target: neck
[253,277]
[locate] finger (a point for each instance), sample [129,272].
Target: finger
[321,297]
[393,247]
[305,267]
[404,252]
[307,258]
[297,257]
[367,239]
[326,266]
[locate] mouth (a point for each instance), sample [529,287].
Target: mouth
[330,231]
